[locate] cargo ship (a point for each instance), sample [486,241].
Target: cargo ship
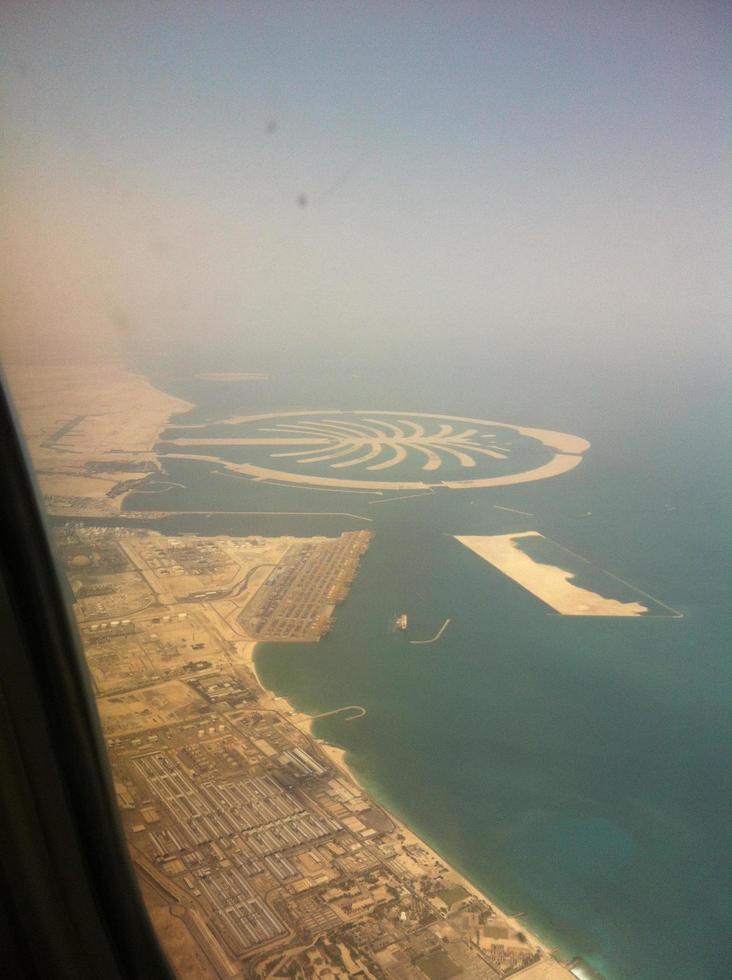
[402,621]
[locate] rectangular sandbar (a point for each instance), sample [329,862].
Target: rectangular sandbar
[554,584]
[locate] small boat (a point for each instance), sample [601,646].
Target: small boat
[402,621]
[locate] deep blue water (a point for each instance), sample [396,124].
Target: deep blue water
[576,769]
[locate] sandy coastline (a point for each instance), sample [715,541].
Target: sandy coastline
[91,429]
[304,722]
[130,413]
[553,585]
[568,450]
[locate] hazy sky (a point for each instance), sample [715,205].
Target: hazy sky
[531,167]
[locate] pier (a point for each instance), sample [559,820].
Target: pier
[437,635]
[359,709]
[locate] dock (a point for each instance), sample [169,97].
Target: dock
[437,635]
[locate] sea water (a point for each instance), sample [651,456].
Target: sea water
[576,769]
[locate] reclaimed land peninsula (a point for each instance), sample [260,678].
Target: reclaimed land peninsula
[257,853]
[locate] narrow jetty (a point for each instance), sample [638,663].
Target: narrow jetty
[437,635]
[359,710]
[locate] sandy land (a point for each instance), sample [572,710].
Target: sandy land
[551,584]
[114,409]
[560,464]
[159,704]
[259,473]
[568,448]
[83,424]
[552,969]
[562,441]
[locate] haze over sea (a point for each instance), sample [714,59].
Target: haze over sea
[507,210]
[574,768]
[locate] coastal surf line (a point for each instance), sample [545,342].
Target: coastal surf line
[359,709]
[513,510]
[675,614]
[437,635]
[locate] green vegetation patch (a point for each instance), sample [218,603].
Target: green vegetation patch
[439,966]
[450,896]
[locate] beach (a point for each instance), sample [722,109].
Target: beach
[520,743]
[554,970]
[549,583]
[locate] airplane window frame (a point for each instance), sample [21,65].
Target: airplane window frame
[71,905]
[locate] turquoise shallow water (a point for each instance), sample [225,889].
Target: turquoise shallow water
[576,769]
